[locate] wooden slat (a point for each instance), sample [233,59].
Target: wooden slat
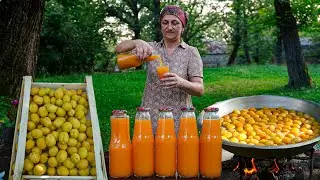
[99,157]
[16,130]
[21,136]
[59,177]
[60,85]
[18,170]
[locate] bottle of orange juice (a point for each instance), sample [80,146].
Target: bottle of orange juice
[143,144]
[129,60]
[210,144]
[120,149]
[165,144]
[188,144]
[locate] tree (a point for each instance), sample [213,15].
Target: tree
[237,34]
[72,39]
[306,14]
[134,13]
[20,26]
[203,15]
[286,22]
[279,45]
[156,14]
[143,18]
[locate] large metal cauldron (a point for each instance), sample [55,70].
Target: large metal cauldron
[260,101]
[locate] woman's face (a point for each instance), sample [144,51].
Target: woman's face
[171,27]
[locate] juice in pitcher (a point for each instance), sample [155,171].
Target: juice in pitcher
[143,144]
[128,60]
[210,144]
[120,149]
[188,144]
[165,144]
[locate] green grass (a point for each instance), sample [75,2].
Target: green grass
[125,90]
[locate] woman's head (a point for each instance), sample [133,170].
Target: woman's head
[173,21]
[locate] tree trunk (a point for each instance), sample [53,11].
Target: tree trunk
[156,14]
[137,27]
[245,44]
[297,69]
[20,26]
[245,32]
[233,55]
[246,51]
[137,32]
[256,55]
[236,35]
[279,49]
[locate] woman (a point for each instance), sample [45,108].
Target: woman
[185,77]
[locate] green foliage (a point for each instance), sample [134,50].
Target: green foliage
[125,90]
[5,109]
[198,21]
[134,14]
[200,24]
[258,18]
[139,17]
[306,12]
[73,38]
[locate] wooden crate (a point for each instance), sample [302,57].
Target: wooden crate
[19,141]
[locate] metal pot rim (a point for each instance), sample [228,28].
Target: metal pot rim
[227,143]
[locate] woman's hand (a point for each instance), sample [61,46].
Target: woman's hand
[171,80]
[142,49]
[193,86]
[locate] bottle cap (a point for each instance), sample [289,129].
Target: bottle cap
[188,108]
[143,109]
[211,109]
[165,109]
[119,112]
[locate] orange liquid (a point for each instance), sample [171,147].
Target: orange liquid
[210,149]
[143,148]
[120,160]
[165,148]
[126,61]
[161,70]
[188,148]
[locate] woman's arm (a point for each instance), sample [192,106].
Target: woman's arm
[125,46]
[193,87]
[141,48]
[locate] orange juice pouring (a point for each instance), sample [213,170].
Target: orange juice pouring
[120,150]
[129,60]
[143,144]
[162,69]
[210,144]
[165,144]
[188,144]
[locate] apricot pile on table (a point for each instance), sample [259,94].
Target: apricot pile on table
[268,126]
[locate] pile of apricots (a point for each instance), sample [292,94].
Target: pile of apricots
[268,126]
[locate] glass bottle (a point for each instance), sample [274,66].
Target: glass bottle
[210,144]
[129,60]
[165,144]
[120,149]
[143,144]
[188,144]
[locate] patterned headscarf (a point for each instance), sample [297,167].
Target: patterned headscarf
[176,11]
